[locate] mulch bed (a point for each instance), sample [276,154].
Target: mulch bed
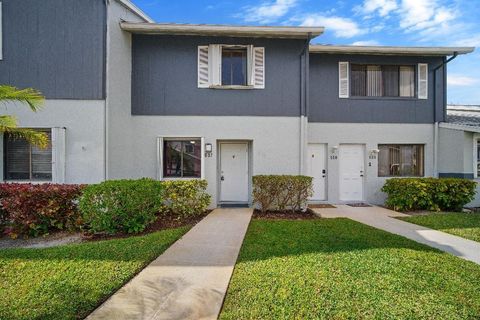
[284,215]
[162,223]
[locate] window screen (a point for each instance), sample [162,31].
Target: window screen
[382,80]
[401,160]
[26,162]
[234,67]
[182,158]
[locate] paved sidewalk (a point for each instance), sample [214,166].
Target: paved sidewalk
[190,279]
[383,219]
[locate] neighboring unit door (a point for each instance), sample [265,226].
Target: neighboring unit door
[317,169]
[233,172]
[352,169]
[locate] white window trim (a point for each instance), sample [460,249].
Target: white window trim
[1,32]
[215,67]
[161,139]
[476,140]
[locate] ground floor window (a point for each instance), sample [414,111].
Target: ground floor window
[478,158]
[23,161]
[182,158]
[401,160]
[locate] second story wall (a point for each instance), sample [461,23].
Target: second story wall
[326,106]
[164,80]
[56,46]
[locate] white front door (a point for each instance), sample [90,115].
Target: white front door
[352,170]
[317,169]
[233,172]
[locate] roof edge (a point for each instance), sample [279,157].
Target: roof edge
[132,7]
[223,30]
[460,127]
[390,50]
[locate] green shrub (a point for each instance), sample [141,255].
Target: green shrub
[185,198]
[121,205]
[281,192]
[446,194]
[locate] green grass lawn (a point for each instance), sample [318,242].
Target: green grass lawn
[466,225]
[68,282]
[341,269]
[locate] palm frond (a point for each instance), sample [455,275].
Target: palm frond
[33,98]
[8,124]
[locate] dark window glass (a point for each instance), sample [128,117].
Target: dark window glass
[234,67]
[26,162]
[401,160]
[182,159]
[382,81]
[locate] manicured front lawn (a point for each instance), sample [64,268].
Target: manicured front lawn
[68,282]
[466,225]
[341,269]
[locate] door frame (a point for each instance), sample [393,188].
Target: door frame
[325,145]
[364,148]
[249,144]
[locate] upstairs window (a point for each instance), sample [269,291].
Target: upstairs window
[23,161]
[234,67]
[401,160]
[382,81]
[231,66]
[364,80]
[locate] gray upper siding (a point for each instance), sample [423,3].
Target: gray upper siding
[56,46]
[326,106]
[164,79]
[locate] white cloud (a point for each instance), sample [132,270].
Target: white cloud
[459,80]
[426,16]
[366,43]
[268,11]
[341,27]
[382,7]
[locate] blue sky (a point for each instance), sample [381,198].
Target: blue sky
[367,22]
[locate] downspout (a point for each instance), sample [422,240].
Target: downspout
[435,132]
[303,100]
[106,90]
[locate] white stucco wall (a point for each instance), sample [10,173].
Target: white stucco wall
[335,134]
[83,120]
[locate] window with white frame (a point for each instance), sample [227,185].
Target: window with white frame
[401,160]
[368,80]
[478,158]
[231,66]
[23,161]
[1,32]
[182,158]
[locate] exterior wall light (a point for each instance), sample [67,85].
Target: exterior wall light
[208,147]
[334,149]
[374,151]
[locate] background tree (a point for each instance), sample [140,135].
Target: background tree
[9,124]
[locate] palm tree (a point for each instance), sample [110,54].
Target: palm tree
[8,124]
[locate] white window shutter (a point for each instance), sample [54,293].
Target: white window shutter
[58,155]
[422,81]
[203,67]
[258,68]
[343,80]
[215,63]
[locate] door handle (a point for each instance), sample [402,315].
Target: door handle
[222,178]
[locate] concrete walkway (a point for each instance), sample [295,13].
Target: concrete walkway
[190,279]
[383,219]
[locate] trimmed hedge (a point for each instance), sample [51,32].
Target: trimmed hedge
[281,192]
[36,209]
[444,194]
[185,198]
[127,206]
